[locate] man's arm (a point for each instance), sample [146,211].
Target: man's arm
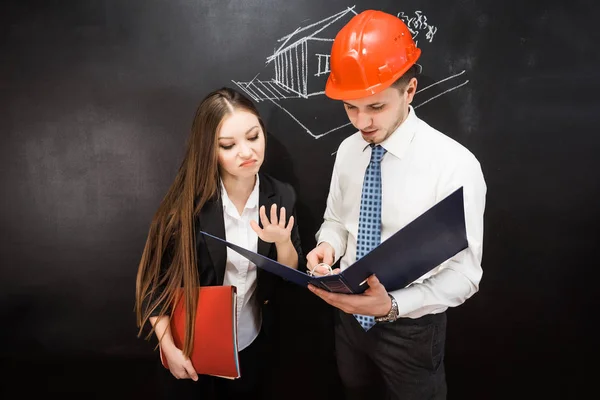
[459,278]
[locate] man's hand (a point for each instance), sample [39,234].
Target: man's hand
[323,253]
[374,301]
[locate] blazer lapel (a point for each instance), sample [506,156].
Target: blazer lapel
[211,221]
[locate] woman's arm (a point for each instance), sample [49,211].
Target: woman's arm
[180,366]
[287,254]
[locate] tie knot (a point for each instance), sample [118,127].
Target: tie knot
[377,153]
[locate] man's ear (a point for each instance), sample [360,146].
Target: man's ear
[411,89]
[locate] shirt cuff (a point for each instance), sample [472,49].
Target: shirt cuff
[409,299]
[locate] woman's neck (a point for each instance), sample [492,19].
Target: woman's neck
[239,190]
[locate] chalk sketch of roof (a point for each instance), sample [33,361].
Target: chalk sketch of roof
[300,35]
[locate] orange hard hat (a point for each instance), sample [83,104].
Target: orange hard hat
[369,53]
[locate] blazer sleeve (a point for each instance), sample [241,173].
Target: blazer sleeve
[295,236]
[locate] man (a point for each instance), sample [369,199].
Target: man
[392,344]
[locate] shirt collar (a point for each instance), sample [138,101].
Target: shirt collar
[251,203]
[398,142]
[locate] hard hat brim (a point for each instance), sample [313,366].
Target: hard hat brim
[336,93]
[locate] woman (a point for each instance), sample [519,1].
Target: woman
[218,189]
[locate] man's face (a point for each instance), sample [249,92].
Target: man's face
[378,116]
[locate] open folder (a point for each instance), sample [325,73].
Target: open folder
[215,349]
[431,239]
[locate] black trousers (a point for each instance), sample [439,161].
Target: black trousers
[401,360]
[255,362]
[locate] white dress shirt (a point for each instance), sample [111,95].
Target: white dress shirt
[239,271]
[420,168]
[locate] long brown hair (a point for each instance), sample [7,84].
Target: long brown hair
[169,257]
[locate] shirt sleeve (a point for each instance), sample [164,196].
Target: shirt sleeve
[457,279]
[332,229]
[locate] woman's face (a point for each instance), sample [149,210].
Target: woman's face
[241,145]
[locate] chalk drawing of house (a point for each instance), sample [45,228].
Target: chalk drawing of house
[300,66]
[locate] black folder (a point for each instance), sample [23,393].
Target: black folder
[429,240]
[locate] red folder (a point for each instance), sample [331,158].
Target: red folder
[215,347]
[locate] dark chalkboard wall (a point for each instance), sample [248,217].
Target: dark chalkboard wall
[96,101]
